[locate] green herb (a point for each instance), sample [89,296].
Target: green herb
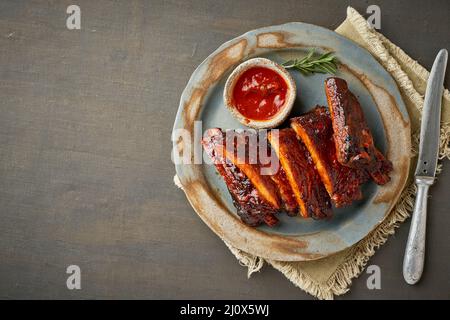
[326,63]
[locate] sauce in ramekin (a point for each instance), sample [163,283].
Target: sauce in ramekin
[259,93]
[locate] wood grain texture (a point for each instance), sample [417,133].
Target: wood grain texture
[85,170]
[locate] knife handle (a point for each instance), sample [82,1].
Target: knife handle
[415,248]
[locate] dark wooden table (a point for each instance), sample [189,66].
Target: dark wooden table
[85,170]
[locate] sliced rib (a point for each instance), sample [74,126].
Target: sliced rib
[315,131]
[352,137]
[285,191]
[251,207]
[303,178]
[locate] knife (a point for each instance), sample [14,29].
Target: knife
[426,168]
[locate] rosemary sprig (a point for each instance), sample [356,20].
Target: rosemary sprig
[326,63]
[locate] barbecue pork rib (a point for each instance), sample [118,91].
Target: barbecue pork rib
[276,174]
[252,207]
[285,191]
[303,178]
[248,162]
[352,137]
[315,131]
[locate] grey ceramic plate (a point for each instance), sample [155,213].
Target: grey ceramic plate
[293,239]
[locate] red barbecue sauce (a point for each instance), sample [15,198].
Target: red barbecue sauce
[259,93]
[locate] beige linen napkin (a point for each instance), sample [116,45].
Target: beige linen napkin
[333,275]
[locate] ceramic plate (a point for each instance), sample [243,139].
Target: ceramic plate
[293,239]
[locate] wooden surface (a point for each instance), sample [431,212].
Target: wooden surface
[85,170]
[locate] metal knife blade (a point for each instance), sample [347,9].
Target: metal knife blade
[431,117]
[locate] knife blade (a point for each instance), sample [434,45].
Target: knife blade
[413,261]
[431,117]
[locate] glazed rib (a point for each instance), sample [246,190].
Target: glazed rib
[285,192]
[352,137]
[251,207]
[252,169]
[315,131]
[271,187]
[308,190]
